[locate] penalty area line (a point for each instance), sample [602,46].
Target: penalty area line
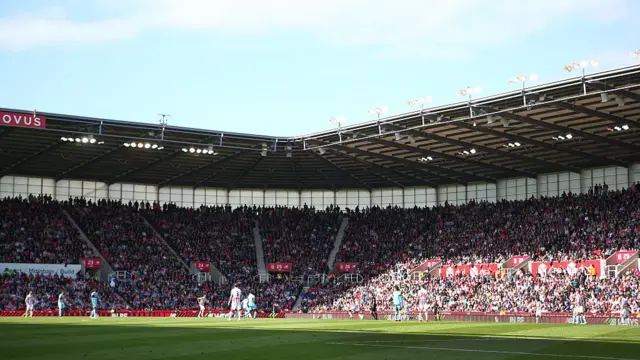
[481,351]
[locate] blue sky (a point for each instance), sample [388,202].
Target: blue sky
[284,67]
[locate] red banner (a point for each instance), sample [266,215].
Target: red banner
[622,256]
[203,266]
[346,267]
[93,263]
[133,313]
[473,270]
[427,265]
[517,260]
[545,267]
[22,120]
[279,267]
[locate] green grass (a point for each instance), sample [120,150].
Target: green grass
[190,338]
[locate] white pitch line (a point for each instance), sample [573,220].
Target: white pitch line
[484,351]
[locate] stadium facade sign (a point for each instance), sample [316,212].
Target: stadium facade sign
[68,270]
[23,120]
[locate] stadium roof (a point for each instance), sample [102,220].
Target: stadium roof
[563,126]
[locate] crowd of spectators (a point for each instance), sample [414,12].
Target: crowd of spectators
[554,291]
[385,242]
[216,234]
[152,275]
[303,237]
[569,227]
[35,230]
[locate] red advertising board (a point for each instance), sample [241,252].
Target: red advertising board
[92,263]
[203,266]
[427,265]
[537,267]
[622,256]
[517,260]
[346,267]
[23,120]
[279,267]
[473,270]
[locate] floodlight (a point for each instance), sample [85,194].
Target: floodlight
[517,143]
[473,151]
[63,138]
[92,140]
[185,150]
[192,150]
[582,65]
[78,140]
[154,146]
[126,144]
[625,127]
[569,136]
[421,101]
[338,120]
[140,145]
[147,145]
[617,128]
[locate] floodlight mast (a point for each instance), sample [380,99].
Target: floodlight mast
[164,121]
[377,111]
[421,101]
[469,91]
[523,79]
[582,65]
[338,120]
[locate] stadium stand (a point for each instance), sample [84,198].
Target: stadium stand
[393,161]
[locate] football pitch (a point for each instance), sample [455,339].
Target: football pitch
[192,338]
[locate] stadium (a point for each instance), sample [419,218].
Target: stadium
[503,222]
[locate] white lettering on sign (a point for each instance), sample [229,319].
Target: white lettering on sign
[22,120]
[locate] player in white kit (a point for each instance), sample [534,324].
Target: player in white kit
[202,302]
[30,302]
[235,302]
[422,304]
[578,309]
[538,312]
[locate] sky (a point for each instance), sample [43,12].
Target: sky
[284,67]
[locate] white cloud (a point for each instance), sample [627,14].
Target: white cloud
[451,25]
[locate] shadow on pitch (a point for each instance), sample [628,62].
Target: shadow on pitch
[267,339]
